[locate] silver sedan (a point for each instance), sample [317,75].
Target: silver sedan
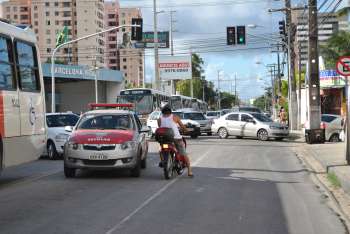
[254,125]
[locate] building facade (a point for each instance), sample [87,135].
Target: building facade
[328,25]
[17,11]
[131,59]
[112,20]
[49,17]
[344,15]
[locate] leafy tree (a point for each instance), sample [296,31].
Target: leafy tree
[226,100]
[336,46]
[57,61]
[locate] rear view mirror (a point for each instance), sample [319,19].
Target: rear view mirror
[145,129]
[68,129]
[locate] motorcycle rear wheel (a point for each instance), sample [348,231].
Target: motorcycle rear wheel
[168,165]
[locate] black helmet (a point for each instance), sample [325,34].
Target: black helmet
[166,109]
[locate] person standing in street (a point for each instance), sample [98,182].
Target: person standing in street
[282,116]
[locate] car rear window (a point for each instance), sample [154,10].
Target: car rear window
[54,121]
[213,114]
[194,116]
[106,122]
[328,118]
[249,109]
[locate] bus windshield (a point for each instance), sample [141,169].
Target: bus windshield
[143,103]
[176,103]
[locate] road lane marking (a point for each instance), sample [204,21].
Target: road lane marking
[154,196]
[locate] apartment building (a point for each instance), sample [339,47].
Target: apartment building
[328,24]
[49,17]
[112,20]
[131,59]
[344,15]
[17,11]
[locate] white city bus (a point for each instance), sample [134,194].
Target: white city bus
[22,102]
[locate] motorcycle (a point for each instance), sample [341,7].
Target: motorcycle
[170,159]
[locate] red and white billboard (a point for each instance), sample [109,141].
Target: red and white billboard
[175,67]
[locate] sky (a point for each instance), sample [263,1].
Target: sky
[201,28]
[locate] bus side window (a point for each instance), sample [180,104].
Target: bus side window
[7,78]
[27,64]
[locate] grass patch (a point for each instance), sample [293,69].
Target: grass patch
[334,180]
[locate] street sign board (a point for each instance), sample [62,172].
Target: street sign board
[148,40]
[343,66]
[175,67]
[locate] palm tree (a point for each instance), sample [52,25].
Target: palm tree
[336,46]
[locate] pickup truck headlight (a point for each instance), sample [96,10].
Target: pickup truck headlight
[128,145]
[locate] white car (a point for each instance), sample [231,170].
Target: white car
[244,124]
[56,134]
[194,130]
[333,125]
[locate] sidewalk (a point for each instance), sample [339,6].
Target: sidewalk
[331,156]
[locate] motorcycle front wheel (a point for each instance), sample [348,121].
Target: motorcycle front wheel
[168,165]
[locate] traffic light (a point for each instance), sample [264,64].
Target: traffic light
[136,32]
[282,27]
[241,35]
[231,35]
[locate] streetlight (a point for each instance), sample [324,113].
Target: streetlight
[95,69]
[53,90]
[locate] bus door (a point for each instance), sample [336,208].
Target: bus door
[9,100]
[30,95]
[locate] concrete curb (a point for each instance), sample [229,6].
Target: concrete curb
[340,196]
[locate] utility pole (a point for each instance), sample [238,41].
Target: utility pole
[156,56]
[173,82]
[299,87]
[191,82]
[203,94]
[219,101]
[279,74]
[315,133]
[292,84]
[236,90]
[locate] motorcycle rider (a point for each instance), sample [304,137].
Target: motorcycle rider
[168,120]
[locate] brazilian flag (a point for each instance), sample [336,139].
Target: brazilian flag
[62,36]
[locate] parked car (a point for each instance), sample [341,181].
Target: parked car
[333,125]
[193,127]
[106,139]
[213,114]
[205,124]
[217,114]
[56,134]
[243,124]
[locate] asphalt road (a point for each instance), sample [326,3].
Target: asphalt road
[240,186]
